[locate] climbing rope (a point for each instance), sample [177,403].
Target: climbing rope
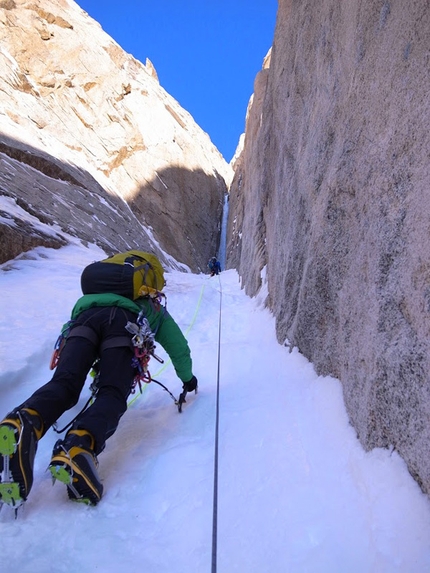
[215,491]
[216,442]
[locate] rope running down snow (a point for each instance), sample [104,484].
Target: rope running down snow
[215,494]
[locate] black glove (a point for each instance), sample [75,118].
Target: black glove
[191,385]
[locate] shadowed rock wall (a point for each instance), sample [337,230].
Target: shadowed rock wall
[43,201]
[332,196]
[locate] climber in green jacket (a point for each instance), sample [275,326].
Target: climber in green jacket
[121,298]
[166,331]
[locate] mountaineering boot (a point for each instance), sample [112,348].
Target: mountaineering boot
[19,434]
[74,463]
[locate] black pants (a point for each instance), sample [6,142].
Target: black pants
[116,376]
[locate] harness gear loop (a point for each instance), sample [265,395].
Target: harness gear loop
[144,348]
[59,344]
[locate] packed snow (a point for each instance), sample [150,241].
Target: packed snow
[296,491]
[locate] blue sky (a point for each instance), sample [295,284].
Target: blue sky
[206,53]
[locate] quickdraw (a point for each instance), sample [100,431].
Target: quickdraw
[144,349]
[144,346]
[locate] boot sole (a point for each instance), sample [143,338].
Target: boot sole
[9,490]
[8,442]
[61,474]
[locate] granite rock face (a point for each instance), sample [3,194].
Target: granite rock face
[73,102]
[331,205]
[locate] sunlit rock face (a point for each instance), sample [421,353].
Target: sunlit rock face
[331,203]
[86,129]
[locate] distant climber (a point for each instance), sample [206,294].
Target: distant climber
[214,266]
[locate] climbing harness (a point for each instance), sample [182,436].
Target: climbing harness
[143,348]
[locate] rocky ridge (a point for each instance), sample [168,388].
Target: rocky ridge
[86,129]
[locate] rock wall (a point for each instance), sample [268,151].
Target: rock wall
[331,202]
[71,96]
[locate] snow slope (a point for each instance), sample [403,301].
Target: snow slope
[296,492]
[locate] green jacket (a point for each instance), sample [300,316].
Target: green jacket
[166,331]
